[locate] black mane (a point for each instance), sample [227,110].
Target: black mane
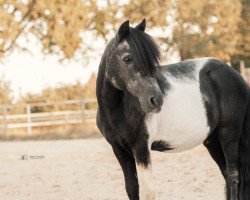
[144,49]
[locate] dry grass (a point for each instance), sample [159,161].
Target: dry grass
[79,131]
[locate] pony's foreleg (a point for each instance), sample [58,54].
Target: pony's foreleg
[145,182]
[127,163]
[144,172]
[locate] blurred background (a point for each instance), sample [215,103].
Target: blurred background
[50,50]
[49,56]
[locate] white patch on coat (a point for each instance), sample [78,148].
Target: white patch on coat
[125,44]
[113,81]
[146,185]
[132,84]
[182,122]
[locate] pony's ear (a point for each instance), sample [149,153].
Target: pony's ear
[142,25]
[123,30]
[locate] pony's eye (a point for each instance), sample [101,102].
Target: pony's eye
[127,60]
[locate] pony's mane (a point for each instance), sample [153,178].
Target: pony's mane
[144,49]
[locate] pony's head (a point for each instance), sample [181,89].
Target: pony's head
[131,61]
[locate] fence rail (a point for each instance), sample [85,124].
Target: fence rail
[29,120]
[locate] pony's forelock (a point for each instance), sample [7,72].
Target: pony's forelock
[144,49]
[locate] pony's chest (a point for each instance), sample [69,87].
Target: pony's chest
[182,123]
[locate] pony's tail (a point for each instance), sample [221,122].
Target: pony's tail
[244,156]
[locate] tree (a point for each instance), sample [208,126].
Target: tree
[206,28]
[5,92]
[200,27]
[243,43]
[155,11]
[58,24]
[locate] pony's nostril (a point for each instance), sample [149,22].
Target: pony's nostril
[153,102]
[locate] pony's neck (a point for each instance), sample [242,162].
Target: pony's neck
[108,96]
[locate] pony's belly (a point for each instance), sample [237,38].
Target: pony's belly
[182,123]
[179,140]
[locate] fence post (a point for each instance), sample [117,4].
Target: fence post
[29,127]
[4,119]
[82,104]
[242,69]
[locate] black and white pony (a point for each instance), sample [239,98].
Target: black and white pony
[171,108]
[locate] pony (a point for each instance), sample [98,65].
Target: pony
[144,106]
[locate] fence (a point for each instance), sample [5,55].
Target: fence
[41,119]
[245,72]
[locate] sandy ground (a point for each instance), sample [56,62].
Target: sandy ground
[87,169]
